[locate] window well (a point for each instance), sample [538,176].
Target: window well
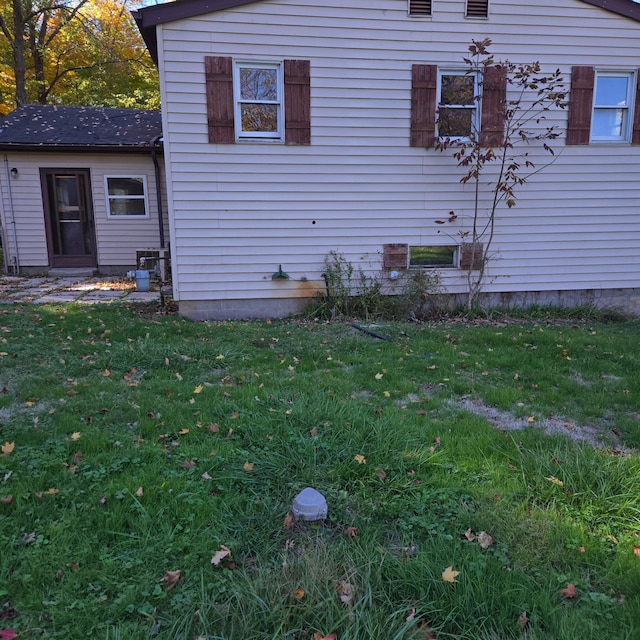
[431,257]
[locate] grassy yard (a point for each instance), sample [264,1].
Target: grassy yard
[482,480]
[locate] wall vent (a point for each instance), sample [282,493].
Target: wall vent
[477,8]
[419,7]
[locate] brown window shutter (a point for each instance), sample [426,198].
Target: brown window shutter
[419,7]
[424,81]
[395,256]
[477,8]
[580,105]
[297,102]
[494,97]
[635,138]
[219,86]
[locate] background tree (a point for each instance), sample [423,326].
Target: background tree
[74,52]
[500,162]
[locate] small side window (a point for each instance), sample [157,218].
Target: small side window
[611,119]
[126,196]
[258,99]
[433,257]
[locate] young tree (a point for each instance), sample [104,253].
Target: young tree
[495,160]
[73,52]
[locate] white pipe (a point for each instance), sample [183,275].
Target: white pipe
[13,217]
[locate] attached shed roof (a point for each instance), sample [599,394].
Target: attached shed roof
[56,128]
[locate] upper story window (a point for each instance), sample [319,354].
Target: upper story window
[258,101]
[457,104]
[126,196]
[419,7]
[477,9]
[612,101]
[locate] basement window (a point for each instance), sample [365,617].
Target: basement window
[477,9]
[126,196]
[420,8]
[433,257]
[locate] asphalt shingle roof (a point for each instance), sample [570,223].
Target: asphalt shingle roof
[56,128]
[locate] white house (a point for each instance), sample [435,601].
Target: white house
[293,128]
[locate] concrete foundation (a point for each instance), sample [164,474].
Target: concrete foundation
[623,300]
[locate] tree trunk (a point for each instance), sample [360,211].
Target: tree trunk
[17,47]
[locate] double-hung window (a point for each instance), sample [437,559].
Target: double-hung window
[457,105]
[611,119]
[126,196]
[258,101]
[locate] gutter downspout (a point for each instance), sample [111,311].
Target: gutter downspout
[16,257]
[156,166]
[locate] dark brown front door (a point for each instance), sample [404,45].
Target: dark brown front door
[68,217]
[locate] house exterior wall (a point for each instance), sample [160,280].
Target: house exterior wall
[116,239]
[240,210]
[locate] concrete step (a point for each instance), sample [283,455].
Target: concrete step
[72,273]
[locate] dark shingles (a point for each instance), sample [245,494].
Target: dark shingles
[55,127]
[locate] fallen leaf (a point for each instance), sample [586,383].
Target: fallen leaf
[582,549]
[381,473]
[345,593]
[569,591]
[179,377]
[449,575]
[171,578]
[51,492]
[188,464]
[140,492]
[220,555]
[28,538]
[313,432]
[248,466]
[7,448]
[636,550]
[213,428]
[6,499]
[106,373]
[183,432]
[378,376]
[75,436]
[485,540]
[386,394]
[360,459]
[318,636]
[77,456]
[198,389]
[206,476]
[9,634]
[531,419]
[469,535]
[288,521]
[298,594]
[352,532]
[523,620]
[555,480]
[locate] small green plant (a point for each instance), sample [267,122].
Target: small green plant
[354,293]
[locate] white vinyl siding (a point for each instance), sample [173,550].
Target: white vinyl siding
[241,210]
[117,238]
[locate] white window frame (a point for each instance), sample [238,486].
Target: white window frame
[475,118]
[109,197]
[266,136]
[625,134]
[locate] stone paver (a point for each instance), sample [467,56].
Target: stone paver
[43,290]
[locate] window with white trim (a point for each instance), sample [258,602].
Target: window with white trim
[431,257]
[258,101]
[612,100]
[457,104]
[126,196]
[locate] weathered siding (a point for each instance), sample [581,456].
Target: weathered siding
[116,239]
[241,210]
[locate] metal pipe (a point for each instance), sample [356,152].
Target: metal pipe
[156,166]
[13,219]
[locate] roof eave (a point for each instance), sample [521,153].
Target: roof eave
[77,148]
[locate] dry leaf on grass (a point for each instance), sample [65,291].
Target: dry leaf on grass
[288,521]
[569,591]
[298,594]
[171,578]
[449,575]
[345,593]
[220,555]
[7,448]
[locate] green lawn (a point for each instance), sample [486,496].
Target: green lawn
[138,445]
